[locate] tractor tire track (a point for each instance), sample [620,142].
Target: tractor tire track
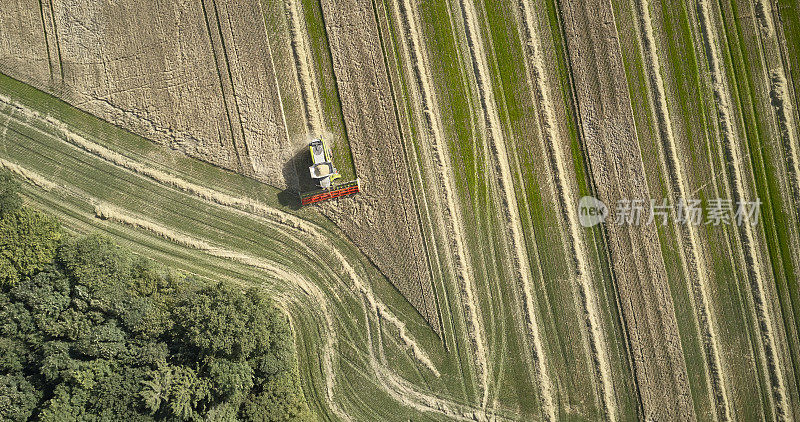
[756,273]
[227,88]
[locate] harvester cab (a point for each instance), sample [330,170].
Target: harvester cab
[325,175]
[322,169]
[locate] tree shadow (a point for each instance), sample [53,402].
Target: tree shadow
[297,178]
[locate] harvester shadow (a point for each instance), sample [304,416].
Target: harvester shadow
[297,178]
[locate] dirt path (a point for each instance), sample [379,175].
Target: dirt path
[608,133]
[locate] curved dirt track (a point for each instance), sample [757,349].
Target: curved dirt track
[302,231]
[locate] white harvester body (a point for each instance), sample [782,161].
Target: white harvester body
[322,169]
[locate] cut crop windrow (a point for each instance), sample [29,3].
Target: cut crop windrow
[491,121]
[304,68]
[694,265]
[434,151]
[755,269]
[539,86]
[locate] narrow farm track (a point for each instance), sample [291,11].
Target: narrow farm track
[756,272]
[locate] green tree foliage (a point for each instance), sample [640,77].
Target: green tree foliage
[90,332]
[9,193]
[28,242]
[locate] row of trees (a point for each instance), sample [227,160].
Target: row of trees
[89,331]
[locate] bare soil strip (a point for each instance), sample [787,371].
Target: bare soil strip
[755,268]
[608,133]
[695,267]
[434,150]
[539,84]
[491,120]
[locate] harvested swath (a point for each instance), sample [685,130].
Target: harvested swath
[26,41]
[694,264]
[305,73]
[386,206]
[194,77]
[434,150]
[756,272]
[554,146]
[256,101]
[786,123]
[608,133]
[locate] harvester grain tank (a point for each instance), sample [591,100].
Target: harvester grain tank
[325,174]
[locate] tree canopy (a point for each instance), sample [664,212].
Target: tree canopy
[91,332]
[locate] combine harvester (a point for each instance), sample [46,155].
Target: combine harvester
[324,174]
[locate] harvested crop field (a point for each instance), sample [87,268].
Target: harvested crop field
[468,280]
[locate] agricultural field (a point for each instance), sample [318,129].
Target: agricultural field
[569,210]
